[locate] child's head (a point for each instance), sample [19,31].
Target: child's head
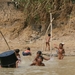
[39,53]
[61,45]
[17,51]
[40,59]
[28,48]
[49,34]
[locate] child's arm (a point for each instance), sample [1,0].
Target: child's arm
[56,46]
[19,57]
[43,64]
[32,64]
[46,58]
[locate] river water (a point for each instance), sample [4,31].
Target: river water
[52,67]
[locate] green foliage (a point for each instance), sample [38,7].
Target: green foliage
[44,4]
[33,9]
[66,1]
[73,1]
[37,17]
[40,1]
[48,7]
[37,11]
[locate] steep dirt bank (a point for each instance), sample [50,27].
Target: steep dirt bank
[22,28]
[11,20]
[35,18]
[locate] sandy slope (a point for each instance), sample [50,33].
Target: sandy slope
[39,44]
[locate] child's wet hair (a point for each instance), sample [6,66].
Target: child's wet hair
[39,52]
[28,48]
[61,44]
[49,34]
[17,50]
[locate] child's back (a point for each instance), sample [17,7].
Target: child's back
[26,52]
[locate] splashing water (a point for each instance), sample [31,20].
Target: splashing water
[52,67]
[52,58]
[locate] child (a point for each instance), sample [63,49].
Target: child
[26,52]
[47,42]
[38,62]
[60,51]
[39,53]
[18,57]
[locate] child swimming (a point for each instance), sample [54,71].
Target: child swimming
[60,51]
[38,54]
[38,62]
[26,52]
[47,42]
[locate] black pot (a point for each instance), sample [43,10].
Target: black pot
[8,59]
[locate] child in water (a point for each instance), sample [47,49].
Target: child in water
[38,62]
[39,54]
[18,57]
[47,42]
[60,51]
[26,52]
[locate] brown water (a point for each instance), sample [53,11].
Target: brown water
[52,67]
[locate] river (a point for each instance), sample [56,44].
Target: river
[52,67]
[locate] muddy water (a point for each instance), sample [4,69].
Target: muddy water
[52,67]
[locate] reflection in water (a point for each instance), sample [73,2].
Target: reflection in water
[53,67]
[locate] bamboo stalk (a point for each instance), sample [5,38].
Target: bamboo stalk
[51,35]
[50,25]
[45,34]
[5,40]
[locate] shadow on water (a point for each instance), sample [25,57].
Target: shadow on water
[52,67]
